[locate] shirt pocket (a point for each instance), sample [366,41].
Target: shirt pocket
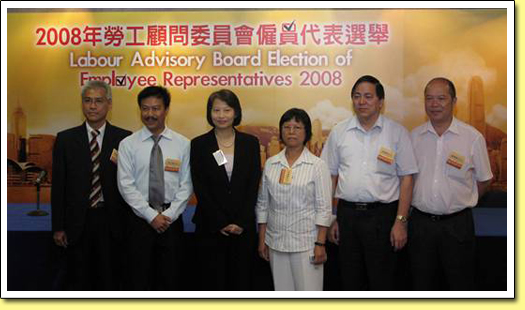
[171,178]
[458,174]
[386,164]
[384,168]
[457,165]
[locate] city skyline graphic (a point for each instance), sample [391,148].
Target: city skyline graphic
[27,156]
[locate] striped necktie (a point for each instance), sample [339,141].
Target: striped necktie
[96,189]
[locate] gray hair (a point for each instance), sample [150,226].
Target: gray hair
[91,84]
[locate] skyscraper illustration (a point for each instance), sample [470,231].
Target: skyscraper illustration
[19,128]
[477,104]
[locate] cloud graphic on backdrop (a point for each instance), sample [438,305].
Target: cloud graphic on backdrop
[328,114]
[497,117]
[406,104]
[459,66]
[404,98]
[397,107]
[409,111]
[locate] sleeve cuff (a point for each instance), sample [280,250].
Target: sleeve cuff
[323,220]
[485,178]
[262,218]
[150,214]
[408,172]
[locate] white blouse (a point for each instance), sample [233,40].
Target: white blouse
[229,165]
[293,211]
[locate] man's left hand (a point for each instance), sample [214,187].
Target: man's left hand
[398,235]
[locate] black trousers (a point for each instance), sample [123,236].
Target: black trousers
[367,259]
[92,262]
[226,262]
[155,260]
[443,247]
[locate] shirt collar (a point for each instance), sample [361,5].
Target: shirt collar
[146,134]
[355,124]
[428,129]
[306,157]
[100,130]
[453,128]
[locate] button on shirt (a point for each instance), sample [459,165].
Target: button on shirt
[441,188]
[100,138]
[133,172]
[292,211]
[351,153]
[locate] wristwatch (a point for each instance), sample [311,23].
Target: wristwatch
[402,218]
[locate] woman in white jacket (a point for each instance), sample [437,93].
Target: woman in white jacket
[294,209]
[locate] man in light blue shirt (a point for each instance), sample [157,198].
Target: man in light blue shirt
[154,178]
[372,162]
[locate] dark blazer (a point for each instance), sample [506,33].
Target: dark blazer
[222,202]
[71,183]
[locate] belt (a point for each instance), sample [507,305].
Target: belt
[365,206]
[99,204]
[162,207]
[440,217]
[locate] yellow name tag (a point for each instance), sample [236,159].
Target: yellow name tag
[456,160]
[286,176]
[386,155]
[114,156]
[172,165]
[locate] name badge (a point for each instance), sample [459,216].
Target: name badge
[456,160]
[172,165]
[386,155]
[114,156]
[286,176]
[220,158]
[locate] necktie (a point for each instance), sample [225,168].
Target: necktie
[96,189]
[156,176]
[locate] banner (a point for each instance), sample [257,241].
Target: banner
[272,59]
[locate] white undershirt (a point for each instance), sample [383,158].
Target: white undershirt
[229,165]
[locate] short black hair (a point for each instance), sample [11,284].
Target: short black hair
[231,100]
[380,91]
[451,87]
[299,115]
[157,92]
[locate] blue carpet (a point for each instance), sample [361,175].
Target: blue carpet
[490,222]
[18,220]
